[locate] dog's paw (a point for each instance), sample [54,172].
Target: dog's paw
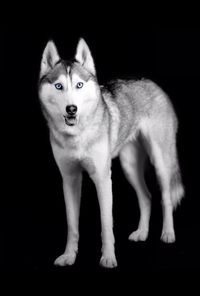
[65,259]
[108,261]
[139,235]
[168,237]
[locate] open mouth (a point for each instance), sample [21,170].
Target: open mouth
[70,120]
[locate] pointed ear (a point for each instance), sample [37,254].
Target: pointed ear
[49,58]
[84,57]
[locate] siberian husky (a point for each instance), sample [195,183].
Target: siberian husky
[90,124]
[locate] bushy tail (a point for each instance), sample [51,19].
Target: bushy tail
[177,189]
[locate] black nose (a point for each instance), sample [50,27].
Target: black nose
[71,109]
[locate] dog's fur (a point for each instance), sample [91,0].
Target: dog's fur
[129,119]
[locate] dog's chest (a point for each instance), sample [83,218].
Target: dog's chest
[73,152]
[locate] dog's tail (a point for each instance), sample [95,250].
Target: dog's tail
[177,189]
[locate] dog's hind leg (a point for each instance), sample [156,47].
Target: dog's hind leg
[162,162]
[159,132]
[132,158]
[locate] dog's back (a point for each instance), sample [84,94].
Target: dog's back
[133,105]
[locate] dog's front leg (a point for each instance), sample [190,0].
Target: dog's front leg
[72,194]
[103,185]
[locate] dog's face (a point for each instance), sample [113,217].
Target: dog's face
[68,90]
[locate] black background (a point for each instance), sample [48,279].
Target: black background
[33,217]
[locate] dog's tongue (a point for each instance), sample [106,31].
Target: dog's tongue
[71,120]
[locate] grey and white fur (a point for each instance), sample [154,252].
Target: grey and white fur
[91,124]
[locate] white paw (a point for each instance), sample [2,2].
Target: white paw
[108,261]
[168,237]
[66,259]
[138,235]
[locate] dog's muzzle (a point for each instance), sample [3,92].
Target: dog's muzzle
[70,120]
[70,117]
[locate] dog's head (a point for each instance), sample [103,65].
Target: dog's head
[68,90]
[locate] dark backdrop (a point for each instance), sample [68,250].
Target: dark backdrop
[33,217]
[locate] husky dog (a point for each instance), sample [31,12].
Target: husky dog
[91,124]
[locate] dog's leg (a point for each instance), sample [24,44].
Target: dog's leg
[132,158]
[72,194]
[104,192]
[163,170]
[103,183]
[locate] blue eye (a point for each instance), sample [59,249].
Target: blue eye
[58,86]
[79,85]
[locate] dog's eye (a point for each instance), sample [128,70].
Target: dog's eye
[79,85]
[58,86]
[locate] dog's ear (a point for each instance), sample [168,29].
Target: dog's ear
[84,57]
[50,57]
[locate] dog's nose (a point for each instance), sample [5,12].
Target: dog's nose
[71,109]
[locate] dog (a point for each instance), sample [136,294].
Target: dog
[90,125]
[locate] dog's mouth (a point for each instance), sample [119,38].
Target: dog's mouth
[70,120]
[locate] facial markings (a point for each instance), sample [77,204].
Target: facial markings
[69,80]
[81,72]
[73,73]
[53,74]
[68,70]
[62,79]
